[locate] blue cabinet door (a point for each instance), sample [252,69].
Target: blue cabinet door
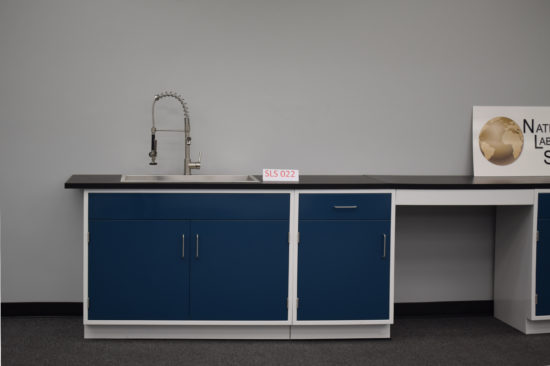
[138,270]
[343,269]
[543,268]
[239,270]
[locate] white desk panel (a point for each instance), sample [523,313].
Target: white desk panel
[464,197]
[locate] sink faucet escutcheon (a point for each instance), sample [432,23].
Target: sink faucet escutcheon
[188,164]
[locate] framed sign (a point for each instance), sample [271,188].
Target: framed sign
[511,141]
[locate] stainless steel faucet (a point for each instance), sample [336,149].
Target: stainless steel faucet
[188,164]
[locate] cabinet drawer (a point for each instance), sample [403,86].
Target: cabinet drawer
[368,206]
[196,206]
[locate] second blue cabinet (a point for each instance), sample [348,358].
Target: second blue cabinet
[344,257]
[188,256]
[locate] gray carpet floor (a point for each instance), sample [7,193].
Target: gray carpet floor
[415,341]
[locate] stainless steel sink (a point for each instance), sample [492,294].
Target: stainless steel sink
[189,178]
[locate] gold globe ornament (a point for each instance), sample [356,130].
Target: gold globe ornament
[501,141]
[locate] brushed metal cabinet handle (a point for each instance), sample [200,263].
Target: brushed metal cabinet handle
[197,246]
[348,207]
[384,251]
[183,246]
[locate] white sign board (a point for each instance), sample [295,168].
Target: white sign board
[281,175]
[511,141]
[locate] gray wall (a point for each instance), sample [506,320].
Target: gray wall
[444,253]
[379,87]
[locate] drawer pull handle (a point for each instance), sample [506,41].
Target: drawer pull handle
[384,251]
[197,247]
[349,207]
[183,246]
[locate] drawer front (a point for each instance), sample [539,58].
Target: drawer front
[172,206]
[363,206]
[544,206]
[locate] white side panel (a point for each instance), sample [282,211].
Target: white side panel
[85,259]
[465,197]
[512,287]
[295,241]
[537,327]
[339,332]
[186,332]
[533,261]
[392,258]
[292,244]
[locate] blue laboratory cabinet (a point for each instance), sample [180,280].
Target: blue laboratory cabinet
[202,256]
[344,257]
[542,280]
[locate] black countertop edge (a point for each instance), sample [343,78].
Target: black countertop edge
[112,181]
[258,186]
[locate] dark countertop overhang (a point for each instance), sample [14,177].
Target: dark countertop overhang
[113,181]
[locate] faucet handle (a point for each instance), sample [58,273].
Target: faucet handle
[196,164]
[153,156]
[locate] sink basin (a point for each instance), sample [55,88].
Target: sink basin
[189,178]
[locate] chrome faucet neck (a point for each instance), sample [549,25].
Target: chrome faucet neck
[188,164]
[176,96]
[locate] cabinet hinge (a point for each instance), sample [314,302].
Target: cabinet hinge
[297,302]
[287,302]
[289,237]
[88,303]
[88,237]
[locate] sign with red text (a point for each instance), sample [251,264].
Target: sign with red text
[281,175]
[511,141]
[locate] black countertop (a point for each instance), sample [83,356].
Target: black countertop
[326,182]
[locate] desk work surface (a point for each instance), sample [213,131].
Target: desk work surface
[432,182]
